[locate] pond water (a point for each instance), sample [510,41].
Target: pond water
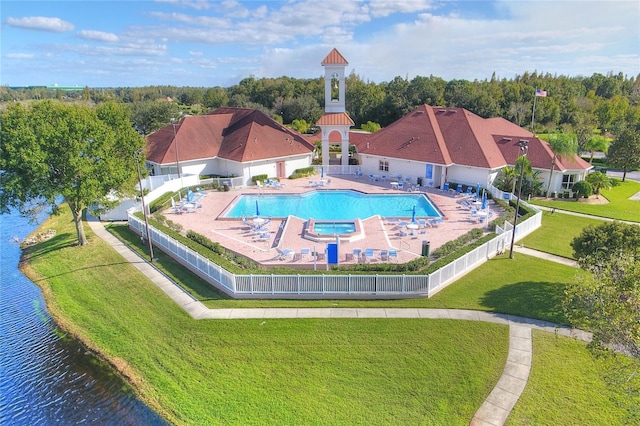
[47,378]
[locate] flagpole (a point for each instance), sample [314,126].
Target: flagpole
[533,116]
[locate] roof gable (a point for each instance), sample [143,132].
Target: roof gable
[334,58]
[237,134]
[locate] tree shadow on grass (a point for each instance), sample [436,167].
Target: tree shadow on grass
[539,300]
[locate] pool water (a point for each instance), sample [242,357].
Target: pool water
[333,205]
[333,228]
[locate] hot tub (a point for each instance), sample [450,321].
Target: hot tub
[329,230]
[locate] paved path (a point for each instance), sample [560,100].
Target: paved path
[493,412]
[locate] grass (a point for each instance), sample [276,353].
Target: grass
[491,287]
[369,371]
[557,393]
[557,233]
[311,371]
[620,207]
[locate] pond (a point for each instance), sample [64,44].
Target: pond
[45,376]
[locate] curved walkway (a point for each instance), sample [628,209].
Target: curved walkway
[493,412]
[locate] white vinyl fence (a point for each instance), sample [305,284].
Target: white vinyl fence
[330,285]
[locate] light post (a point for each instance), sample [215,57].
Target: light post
[524,150]
[144,207]
[175,141]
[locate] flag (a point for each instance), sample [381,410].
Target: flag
[542,93]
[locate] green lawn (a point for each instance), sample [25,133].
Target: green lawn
[557,232]
[311,371]
[491,287]
[557,393]
[619,207]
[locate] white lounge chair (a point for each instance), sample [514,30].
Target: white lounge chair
[282,254]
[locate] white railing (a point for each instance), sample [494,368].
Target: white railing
[334,286]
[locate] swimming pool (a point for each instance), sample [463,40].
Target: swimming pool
[333,228]
[332,205]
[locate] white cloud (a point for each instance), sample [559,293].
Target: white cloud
[234,9]
[98,36]
[41,23]
[205,21]
[20,55]
[193,4]
[380,8]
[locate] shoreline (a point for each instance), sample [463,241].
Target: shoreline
[120,366]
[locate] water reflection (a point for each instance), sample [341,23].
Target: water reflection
[45,377]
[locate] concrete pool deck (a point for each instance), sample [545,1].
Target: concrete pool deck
[381,234]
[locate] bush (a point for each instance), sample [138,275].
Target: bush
[161,202]
[260,178]
[302,173]
[582,189]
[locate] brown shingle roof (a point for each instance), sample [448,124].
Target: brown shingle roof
[238,134]
[335,118]
[334,58]
[456,136]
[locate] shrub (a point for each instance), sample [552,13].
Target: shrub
[260,178]
[161,202]
[302,173]
[582,189]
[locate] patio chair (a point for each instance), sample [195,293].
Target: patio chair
[392,220]
[384,255]
[393,254]
[263,237]
[445,187]
[400,185]
[356,253]
[368,254]
[304,252]
[282,254]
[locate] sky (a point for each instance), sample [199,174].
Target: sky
[202,43]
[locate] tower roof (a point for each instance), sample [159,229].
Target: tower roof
[334,58]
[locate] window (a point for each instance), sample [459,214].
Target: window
[383,166]
[335,87]
[568,181]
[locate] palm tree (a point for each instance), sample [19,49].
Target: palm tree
[562,145]
[507,179]
[522,168]
[597,143]
[598,181]
[534,184]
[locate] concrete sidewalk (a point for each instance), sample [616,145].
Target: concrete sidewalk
[493,412]
[545,256]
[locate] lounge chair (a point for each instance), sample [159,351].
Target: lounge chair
[356,253]
[394,254]
[282,254]
[368,254]
[304,252]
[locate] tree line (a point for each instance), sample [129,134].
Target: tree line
[605,103]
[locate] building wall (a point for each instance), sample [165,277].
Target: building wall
[468,175]
[370,164]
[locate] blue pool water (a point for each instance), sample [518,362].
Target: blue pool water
[333,228]
[333,205]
